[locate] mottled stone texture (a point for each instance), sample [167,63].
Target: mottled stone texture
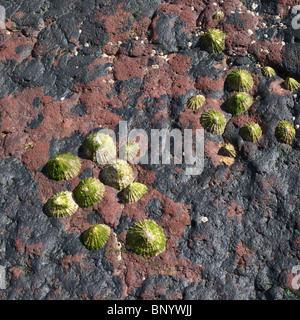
[68,68]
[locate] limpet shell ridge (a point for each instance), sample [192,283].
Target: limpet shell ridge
[213,40]
[96,236]
[240,80]
[133,192]
[61,205]
[239,102]
[195,102]
[251,132]
[213,121]
[285,132]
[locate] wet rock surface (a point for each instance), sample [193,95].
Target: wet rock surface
[68,69]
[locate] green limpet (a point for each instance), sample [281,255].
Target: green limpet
[239,103]
[251,132]
[61,205]
[213,121]
[118,174]
[213,40]
[268,72]
[96,236]
[285,132]
[63,166]
[228,150]
[130,150]
[146,238]
[291,84]
[100,147]
[240,80]
[134,192]
[88,192]
[195,102]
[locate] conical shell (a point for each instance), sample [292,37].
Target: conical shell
[61,205]
[96,236]
[239,103]
[291,84]
[100,147]
[88,192]
[63,167]
[251,132]
[285,132]
[240,80]
[228,150]
[118,174]
[213,40]
[268,72]
[134,192]
[130,150]
[213,121]
[146,238]
[195,102]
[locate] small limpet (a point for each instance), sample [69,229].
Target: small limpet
[213,121]
[240,80]
[268,72]
[130,150]
[134,192]
[195,102]
[214,40]
[118,174]
[285,132]
[100,147]
[63,167]
[96,236]
[291,84]
[239,103]
[146,238]
[88,192]
[251,132]
[61,205]
[228,150]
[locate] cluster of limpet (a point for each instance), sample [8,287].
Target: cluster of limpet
[195,102]
[251,132]
[134,192]
[213,40]
[285,132]
[61,205]
[118,174]
[239,103]
[240,80]
[88,192]
[96,236]
[146,238]
[213,121]
[100,147]
[63,167]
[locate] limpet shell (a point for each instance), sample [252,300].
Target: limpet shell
[239,103]
[88,192]
[213,40]
[118,174]
[240,80]
[96,236]
[146,238]
[100,147]
[134,192]
[130,150]
[291,84]
[268,72]
[251,132]
[285,132]
[195,102]
[228,150]
[213,121]
[61,205]
[63,167]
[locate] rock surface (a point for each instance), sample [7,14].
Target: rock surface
[68,69]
